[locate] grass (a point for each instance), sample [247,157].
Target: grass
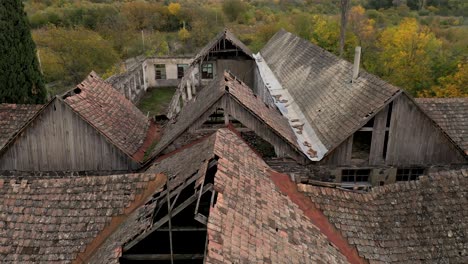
[156,100]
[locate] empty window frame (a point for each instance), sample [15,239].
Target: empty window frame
[181,68]
[207,70]
[160,70]
[355,176]
[409,174]
[362,141]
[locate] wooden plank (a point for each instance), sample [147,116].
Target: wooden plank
[378,137]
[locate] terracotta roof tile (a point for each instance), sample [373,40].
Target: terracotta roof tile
[53,220]
[252,222]
[422,221]
[451,114]
[110,113]
[12,118]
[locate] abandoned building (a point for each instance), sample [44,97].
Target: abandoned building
[92,129]
[275,157]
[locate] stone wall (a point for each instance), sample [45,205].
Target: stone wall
[132,83]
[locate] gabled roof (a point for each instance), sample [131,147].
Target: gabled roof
[224,35]
[422,221]
[12,118]
[54,220]
[315,87]
[249,210]
[208,97]
[114,116]
[254,222]
[451,114]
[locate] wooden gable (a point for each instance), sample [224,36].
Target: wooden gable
[58,139]
[399,134]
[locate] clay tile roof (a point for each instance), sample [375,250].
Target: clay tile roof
[226,34]
[228,85]
[451,114]
[252,221]
[110,113]
[12,118]
[422,221]
[55,220]
[320,84]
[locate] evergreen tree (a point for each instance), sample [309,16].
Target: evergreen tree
[20,78]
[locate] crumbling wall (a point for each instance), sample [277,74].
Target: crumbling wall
[131,83]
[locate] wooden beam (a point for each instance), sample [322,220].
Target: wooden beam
[183,228]
[163,220]
[162,256]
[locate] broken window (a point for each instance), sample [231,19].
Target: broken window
[361,146]
[181,68]
[355,176]
[409,174]
[207,70]
[160,70]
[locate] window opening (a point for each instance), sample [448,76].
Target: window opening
[409,174]
[361,145]
[181,68]
[355,176]
[160,70]
[207,71]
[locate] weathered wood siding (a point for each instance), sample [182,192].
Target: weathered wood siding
[59,140]
[260,89]
[242,69]
[282,148]
[415,139]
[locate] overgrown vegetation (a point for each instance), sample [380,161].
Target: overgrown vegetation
[156,101]
[418,45]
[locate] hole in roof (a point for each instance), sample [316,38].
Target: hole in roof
[226,88]
[276,229]
[77,90]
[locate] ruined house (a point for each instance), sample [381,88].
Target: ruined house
[355,128]
[224,52]
[91,129]
[202,191]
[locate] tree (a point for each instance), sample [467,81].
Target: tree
[174,8]
[454,85]
[344,19]
[70,54]
[408,51]
[234,8]
[20,78]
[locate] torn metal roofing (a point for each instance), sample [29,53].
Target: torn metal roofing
[320,87]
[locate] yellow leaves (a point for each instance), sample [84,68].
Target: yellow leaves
[407,53]
[360,25]
[183,34]
[174,8]
[455,85]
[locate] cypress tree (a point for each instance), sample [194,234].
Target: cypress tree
[20,78]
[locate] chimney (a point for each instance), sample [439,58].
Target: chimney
[357,60]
